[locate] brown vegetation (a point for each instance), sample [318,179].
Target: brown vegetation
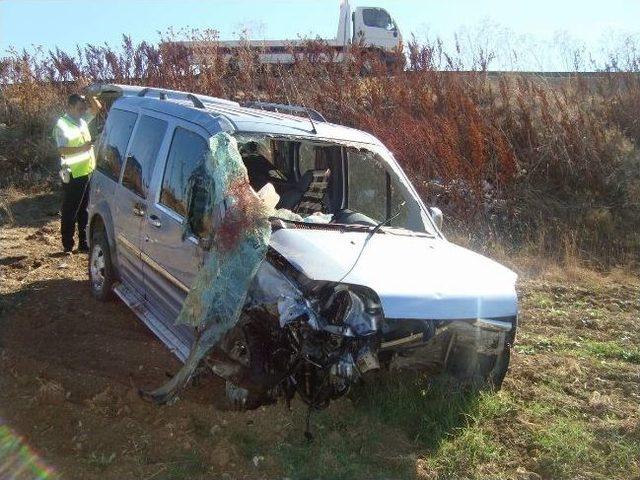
[513,160]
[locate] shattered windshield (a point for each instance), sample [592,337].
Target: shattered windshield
[332,183]
[372,191]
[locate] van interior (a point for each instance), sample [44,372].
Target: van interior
[318,177]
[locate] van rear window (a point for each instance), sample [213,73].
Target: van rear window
[115,139]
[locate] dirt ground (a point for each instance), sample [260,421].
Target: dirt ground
[70,368]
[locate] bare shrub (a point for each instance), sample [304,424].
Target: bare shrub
[512,159]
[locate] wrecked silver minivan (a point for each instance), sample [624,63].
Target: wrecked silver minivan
[286,254]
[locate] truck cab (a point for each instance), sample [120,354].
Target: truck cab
[371,27]
[374,27]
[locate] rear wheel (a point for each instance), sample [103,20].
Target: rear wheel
[101,274]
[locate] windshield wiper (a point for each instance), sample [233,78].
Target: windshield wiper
[388,220]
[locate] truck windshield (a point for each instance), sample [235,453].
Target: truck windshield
[378,18]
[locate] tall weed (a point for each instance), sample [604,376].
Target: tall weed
[517,160]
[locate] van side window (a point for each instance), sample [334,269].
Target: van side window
[142,154]
[200,225]
[185,155]
[114,142]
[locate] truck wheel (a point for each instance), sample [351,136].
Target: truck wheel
[101,274]
[480,370]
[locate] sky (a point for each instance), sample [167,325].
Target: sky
[540,32]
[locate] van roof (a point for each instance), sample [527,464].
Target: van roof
[210,112]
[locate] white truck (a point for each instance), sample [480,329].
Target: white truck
[371,27]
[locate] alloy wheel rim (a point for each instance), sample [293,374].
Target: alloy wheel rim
[96,267]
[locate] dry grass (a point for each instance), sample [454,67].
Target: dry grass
[516,162]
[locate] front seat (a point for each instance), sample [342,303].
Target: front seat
[307,197]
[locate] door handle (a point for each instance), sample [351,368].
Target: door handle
[155,221]
[138,209]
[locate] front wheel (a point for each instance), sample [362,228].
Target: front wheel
[480,370]
[101,274]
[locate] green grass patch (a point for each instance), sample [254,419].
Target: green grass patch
[425,409]
[434,419]
[570,446]
[465,453]
[578,346]
[612,350]
[101,460]
[620,454]
[563,445]
[566,447]
[539,299]
[185,466]
[345,446]
[454,428]
[540,409]
[525,349]
[400,419]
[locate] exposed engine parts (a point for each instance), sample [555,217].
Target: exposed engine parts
[315,345]
[316,339]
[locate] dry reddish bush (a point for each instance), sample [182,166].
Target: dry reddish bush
[515,159]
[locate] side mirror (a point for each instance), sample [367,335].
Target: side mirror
[436,215]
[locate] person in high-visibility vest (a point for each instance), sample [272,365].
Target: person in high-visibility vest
[77,162]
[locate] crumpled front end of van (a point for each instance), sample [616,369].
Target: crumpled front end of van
[295,329]
[240,241]
[238,222]
[284,306]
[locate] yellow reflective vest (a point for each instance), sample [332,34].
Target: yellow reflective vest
[83,163]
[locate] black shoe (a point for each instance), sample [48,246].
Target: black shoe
[83,248]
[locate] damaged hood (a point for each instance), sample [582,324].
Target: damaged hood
[414,276]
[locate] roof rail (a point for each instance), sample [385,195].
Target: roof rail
[196,101]
[163,96]
[290,109]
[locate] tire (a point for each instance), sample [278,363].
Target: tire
[248,345]
[479,370]
[101,274]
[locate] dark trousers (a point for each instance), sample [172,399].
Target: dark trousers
[75,196]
